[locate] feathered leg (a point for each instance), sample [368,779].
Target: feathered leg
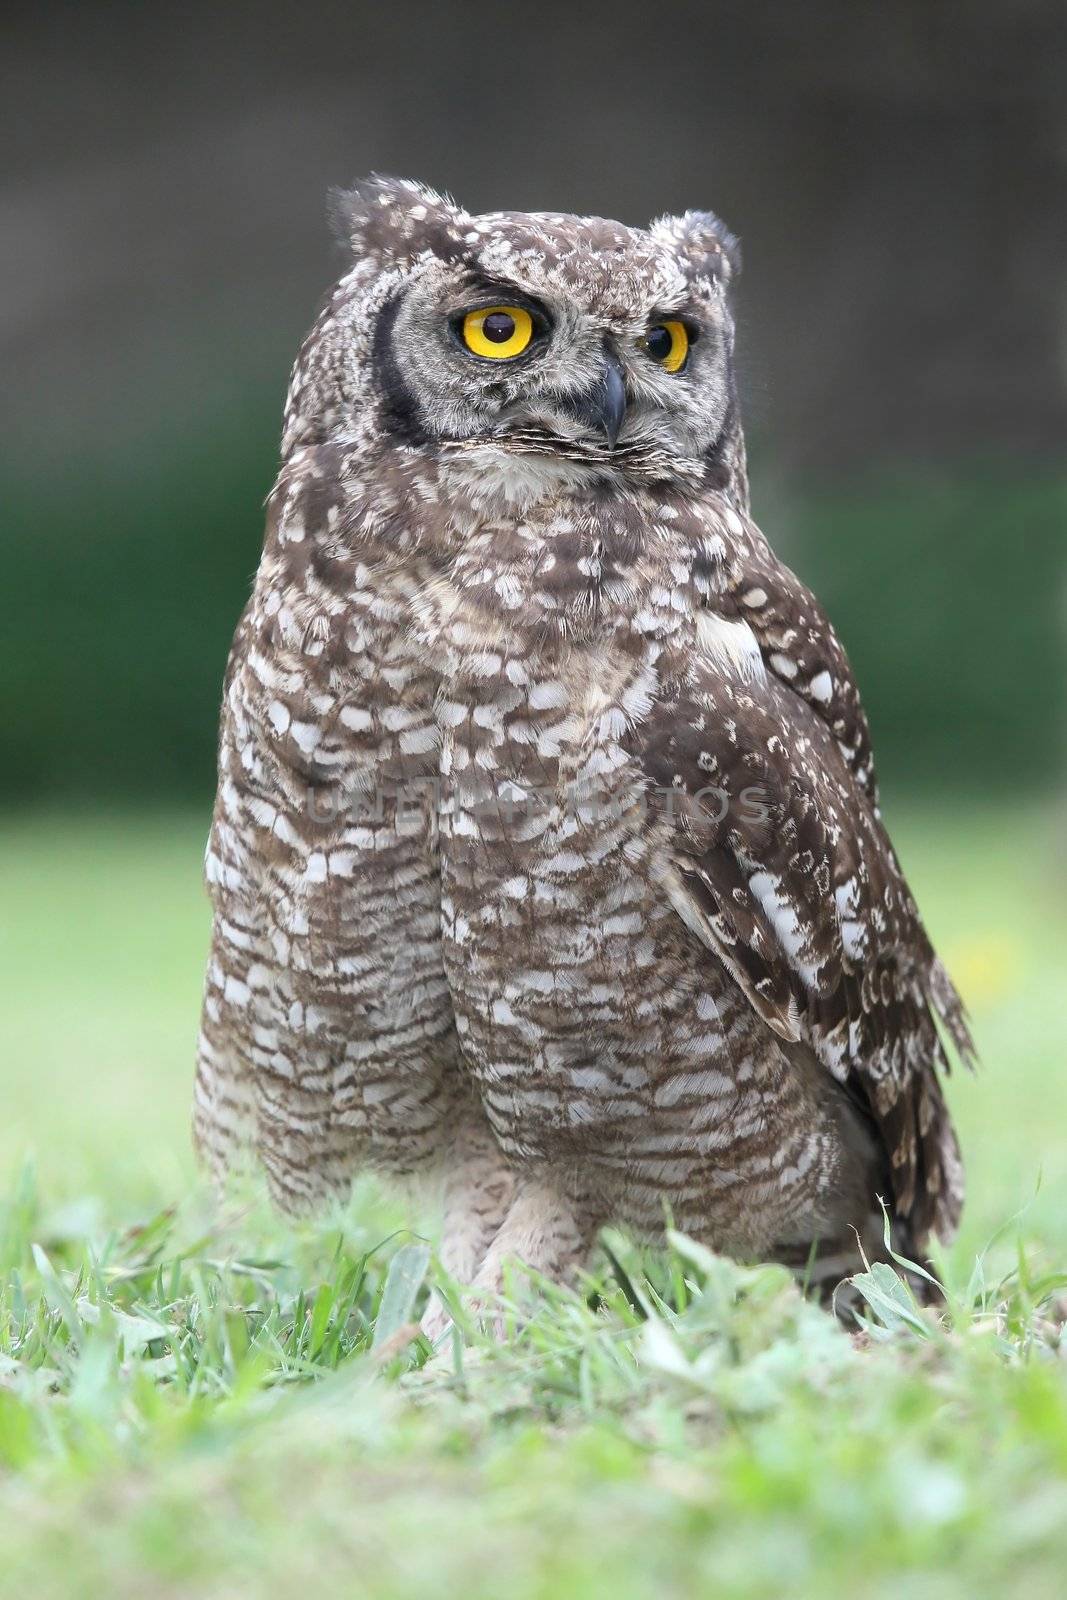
[546,1230]
[479,1188]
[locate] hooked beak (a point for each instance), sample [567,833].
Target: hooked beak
[604,405]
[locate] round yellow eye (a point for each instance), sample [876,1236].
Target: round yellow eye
[668,343]
[498,331]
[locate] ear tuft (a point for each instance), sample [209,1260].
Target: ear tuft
[704,239]
[396,219]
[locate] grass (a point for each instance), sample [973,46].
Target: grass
[198,1401]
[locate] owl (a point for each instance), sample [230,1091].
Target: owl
[547,860]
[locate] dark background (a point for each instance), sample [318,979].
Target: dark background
[897,173]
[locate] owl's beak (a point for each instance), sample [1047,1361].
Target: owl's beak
[604,405]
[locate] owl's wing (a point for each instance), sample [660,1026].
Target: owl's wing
[800,648]
[776,857]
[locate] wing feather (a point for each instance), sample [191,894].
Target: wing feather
[790,877]
[801,649]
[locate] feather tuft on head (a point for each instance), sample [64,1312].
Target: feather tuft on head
[395,219]
[704,239]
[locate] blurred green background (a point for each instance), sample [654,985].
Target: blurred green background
[897,176]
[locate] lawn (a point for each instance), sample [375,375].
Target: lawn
[205,1402]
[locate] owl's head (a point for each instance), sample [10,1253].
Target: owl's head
[528,346]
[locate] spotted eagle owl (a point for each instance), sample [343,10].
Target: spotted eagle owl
[547,855]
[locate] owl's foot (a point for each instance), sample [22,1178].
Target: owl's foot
[478,1192]
[542,1231]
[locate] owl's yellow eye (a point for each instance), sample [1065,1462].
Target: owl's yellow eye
[668,343]
[498,332]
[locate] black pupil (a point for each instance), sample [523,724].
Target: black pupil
[659,343]
[498,327]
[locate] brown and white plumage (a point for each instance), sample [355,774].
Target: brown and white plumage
[547,852]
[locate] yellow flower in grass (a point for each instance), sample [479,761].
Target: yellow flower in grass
[984,967]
